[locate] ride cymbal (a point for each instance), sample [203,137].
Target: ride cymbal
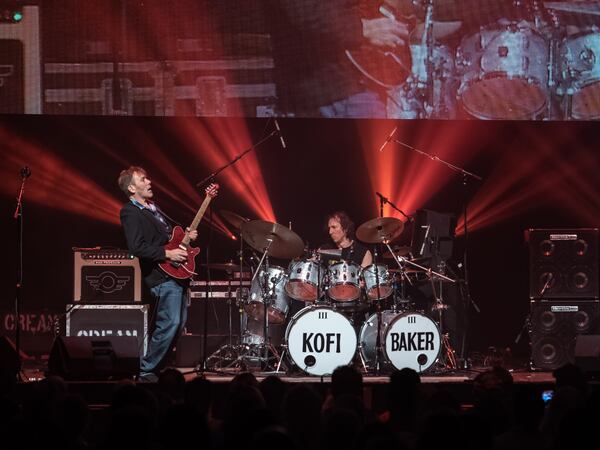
[381,229]
[281,241]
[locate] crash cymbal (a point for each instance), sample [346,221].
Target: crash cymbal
[398,251]
[234,219]
[330,251]
[228,266]
[284,242]
[381,229]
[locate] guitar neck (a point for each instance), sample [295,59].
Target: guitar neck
[197,218]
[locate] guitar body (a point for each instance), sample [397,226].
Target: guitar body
[177,270]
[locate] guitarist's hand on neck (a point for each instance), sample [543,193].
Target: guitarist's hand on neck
[385,32]
[193,234]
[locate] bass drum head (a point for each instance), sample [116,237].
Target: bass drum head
[412,340]
[368,337]
[320,339]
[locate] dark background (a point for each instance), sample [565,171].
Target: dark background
[323,169]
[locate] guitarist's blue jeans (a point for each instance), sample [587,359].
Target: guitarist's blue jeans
[171,315]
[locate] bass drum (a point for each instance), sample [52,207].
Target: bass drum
[320,339]
[580,69]
[503,72]
[409,340]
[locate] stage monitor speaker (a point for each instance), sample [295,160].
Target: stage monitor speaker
[87,358]
[587,353]
[106,276]
[563,263]
[554,328]
[9,361]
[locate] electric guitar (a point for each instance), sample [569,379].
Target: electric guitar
[181,239]
[386,68]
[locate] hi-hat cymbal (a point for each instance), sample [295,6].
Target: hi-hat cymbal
[398,251]
[234,219]
[381,229]
[228,266]
[284,243]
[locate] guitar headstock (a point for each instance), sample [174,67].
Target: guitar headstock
[212,190]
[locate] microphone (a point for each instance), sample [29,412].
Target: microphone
[383,199]
[388,139]
[280,135]
[25,172]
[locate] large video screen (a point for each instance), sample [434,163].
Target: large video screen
[397,59]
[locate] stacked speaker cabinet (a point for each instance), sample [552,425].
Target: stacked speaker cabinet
[107,317]
[563,292]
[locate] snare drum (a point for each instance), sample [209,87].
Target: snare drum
[344,281]
[273,285]
[504,72]
[371,275]
[303,280]
[409,339]
[320,339]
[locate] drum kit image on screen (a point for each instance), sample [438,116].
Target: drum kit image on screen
[545,66]
[348,314]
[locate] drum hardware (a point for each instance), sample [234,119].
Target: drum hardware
[234,354]
[272,239]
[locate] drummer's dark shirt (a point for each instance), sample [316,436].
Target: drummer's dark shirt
[355,253]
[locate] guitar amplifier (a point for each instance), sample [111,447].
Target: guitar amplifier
[106,276]
[108,321]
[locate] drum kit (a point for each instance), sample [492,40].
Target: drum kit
[350,314]
[544,66]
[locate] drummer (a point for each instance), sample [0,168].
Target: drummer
[341,231]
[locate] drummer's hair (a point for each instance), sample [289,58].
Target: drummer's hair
[345,222]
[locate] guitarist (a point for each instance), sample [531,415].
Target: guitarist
[147,230]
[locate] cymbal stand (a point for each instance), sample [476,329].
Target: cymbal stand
[267,293]
[439,307]
[378,348]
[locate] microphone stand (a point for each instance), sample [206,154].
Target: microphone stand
[466,175]
[210,177]
[18,216]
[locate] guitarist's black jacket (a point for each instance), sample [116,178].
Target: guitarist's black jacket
[146,237]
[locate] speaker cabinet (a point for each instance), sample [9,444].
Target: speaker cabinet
[554,327]
[106,276]
[87,358]
[563,263]
[587,353]
[108,321]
